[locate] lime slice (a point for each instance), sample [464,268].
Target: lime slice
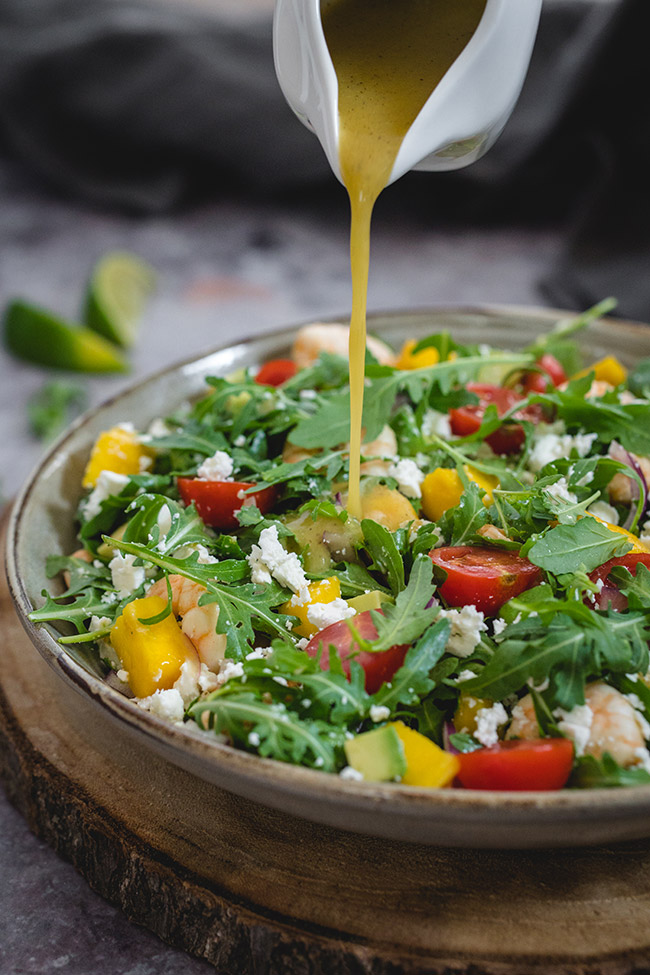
[34,334]
[116,294]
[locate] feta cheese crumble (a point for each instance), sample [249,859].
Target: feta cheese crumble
[321,615]
[467,624]
[488,721]
[126,576]
[576,725]
[435,424]
[550,446]
[270,559]
[559,491]
[219,467]
[379,712]
[409,477]
[108,483]
[606,512]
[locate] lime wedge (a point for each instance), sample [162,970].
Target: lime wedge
[34,334]
[116,294]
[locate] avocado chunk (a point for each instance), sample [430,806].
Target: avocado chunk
[378,755]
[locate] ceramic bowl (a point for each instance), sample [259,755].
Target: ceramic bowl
[43,522]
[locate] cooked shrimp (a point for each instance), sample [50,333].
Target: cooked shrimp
[621,487]
[609,723]
[385,445]
[311,340]
[199,623]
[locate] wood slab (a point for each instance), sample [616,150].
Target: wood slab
[257,892]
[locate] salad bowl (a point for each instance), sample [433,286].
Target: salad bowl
[43,521]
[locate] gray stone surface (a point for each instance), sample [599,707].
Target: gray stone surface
[231,268]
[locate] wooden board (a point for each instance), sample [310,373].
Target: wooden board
[257,892]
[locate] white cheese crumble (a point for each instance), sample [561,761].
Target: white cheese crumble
[259,653]
[207,680]
[465,675]
[350,774]
[219,467]
[552,446]
[270,559]
[606,512]
[165,704]
[498,625]
[254,739]
[559,491]
[435,424]
[409,477]
[379,712]
[126,576]
[643,758]
[157,428]
[576,724]
[98,623]
[321,615]
[108,483]
[230,669]
[467,624]
[488,721]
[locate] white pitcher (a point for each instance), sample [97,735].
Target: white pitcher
[464,114]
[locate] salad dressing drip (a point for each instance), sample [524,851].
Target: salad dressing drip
[389,55]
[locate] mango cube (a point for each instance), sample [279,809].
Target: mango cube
[442,489]
[325,591]
[151,654]
[118,450]
[427,765]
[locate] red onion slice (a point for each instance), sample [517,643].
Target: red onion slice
[623,456]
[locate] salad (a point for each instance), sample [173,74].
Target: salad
[484,624]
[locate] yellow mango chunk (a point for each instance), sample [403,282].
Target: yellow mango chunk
[387,507]
[442,489]
[427,765]
[468,708]
[637,544]
[607,370]
[325,591]
[117,450]
[408,359]
[152,655]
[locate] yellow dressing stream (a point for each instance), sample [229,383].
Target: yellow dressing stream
[388,55]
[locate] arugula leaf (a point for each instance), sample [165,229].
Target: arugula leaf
[85,604]
[605,773]
[272,729]
[566,652]
[386,557]
[330,424]
[464,742]
[629,423]
[460,525]
[635,587]
[403,622]
[330,695]
[239,605]
[354,579]
[83,575]
[586,544]
[638,381]
[187,527]
[412,681]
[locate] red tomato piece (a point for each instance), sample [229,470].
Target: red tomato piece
[378,667]
[508,439]
[217,501]
[538,765]
[536,382]
[276,371]
[484,577]
[610,595]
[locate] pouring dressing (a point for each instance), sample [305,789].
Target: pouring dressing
[388,86]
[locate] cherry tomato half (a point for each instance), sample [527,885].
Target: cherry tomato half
[538,765]
[610,595]
[378,667]
[509,438]
[276,371]
[552,371]
[217,501]
[484,577]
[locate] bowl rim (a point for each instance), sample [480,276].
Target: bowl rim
[250,770]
